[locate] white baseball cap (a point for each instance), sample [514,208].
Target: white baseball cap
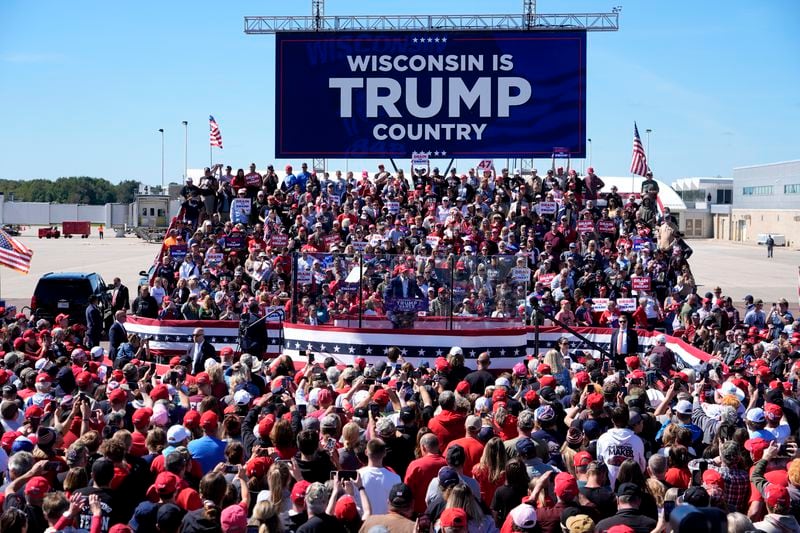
[177,434]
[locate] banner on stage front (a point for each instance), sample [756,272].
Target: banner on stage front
[406,305]
[444,93]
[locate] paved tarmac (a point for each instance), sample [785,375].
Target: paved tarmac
[738,268]
[111,257]
[741,269]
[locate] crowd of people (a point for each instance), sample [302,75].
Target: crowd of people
[563,441]
[478,244]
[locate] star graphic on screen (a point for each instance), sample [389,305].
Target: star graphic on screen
[297,345]
[351,349]
[472,353]
[443,153]
[308,346]
[436,153]
[430,39]
[321,347]
[439,352]
[414,39]
[336,348]
[421,352]
[516,352]
[502,352]
[404,351]
[444,39]
[436,40]
[369,350]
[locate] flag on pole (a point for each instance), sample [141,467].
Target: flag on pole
[216,135]
[639,161]
[14,254]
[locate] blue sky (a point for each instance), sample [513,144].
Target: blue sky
[86,85]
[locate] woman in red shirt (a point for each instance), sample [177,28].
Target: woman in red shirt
[490,472]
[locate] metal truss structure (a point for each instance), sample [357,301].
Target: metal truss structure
[520,21]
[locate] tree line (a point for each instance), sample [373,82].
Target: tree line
[70,190]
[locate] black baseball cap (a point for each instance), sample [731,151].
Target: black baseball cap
[400,495]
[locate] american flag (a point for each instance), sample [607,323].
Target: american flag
[216,136]
[639,161]
[14,254]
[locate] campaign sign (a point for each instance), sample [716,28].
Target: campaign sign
[547,208]
[560,152]
[359,246]
[585,226]
[520,274]
[447,93]
[303,277]
[393,207]
[234,242]
[599,304]
[279,240]
[406,305]
[547,279]
[638,243]
[240,210]
[640,283]
[178,251]
[606,226]
[626,305]
[213,259]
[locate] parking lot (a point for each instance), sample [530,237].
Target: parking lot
[110,257]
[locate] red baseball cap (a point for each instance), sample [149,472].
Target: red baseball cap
[756,447]
[37,487]
[83,378]
[159,392]
[712,477]
[773,412]
[773,495]
[454,517]
[166,483]
[34,411]
[203,378]
[636,374]
[543,368]
[582,459]
[547,381]
[566,486]
[345,508]
[531,397]
[258,466]
[175,361]
[209,421]
[381,397]
[595,401]
[360,362]
[141,417]
[191,419]
[632,362]
[441,364]
[44,378]
[117,396]
[582,379]
[299,490]
[463,388]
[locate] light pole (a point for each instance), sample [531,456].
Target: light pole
[185,149]
[648,131]
[161,131]
[590,151]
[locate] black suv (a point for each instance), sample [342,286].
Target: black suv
[68,292]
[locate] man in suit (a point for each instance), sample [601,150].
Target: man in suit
[402,287]
[624,342]
[94,323]
[117,334]
[199,351]
[120,298]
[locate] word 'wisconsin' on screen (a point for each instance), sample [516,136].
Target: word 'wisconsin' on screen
[446,97]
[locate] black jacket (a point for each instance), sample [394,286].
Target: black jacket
[628,517]
[633,346]
[116,336]
[207,351]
